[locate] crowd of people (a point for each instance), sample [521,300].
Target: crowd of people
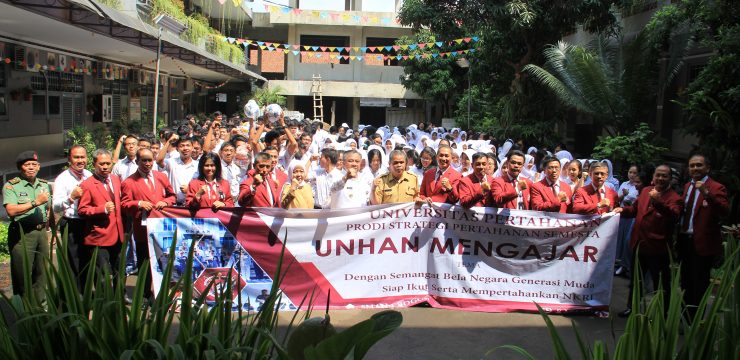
[296,164]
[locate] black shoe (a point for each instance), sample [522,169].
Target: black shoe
[127,300]
[625,313]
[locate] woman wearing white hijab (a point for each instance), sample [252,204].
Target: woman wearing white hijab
[529,170]
[296,192]
[463,136]
[389,145]
[504,151]
[532,151]
[373,168]
[466,159]
[564,154]
[611,181]
[422,143]
[350,144]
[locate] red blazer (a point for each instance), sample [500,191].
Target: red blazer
[101,229]
[503,195]
[709,209]
[544,200]
[585,200]
[435,190]
[654,220]
[205,201]
[470,192]
[260,197]
[134,189]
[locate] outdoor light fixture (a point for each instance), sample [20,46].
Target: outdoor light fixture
[163,21]
[465,64]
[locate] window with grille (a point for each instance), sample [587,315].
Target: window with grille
[58,81]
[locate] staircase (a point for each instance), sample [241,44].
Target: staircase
[318,98]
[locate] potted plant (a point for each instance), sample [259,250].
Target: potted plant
[27,93]
[15,95]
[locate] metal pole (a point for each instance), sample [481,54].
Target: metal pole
[156,83]
[469,96]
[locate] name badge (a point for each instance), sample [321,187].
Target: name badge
[22,194]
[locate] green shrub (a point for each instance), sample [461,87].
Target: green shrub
[654,332]
[98,324]
[4,249]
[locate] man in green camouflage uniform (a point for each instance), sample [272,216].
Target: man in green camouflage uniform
[26,199]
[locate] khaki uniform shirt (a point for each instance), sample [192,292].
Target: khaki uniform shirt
[19,191]
[391,190]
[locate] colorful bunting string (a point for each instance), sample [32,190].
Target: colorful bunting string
[272,46]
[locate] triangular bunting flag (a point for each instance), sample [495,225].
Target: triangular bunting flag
[268,43]
[340,49]
[404,47]
[388,48]
[285,10]
[263,47]
[372,48]
[417,56]
[421,45]
[331,48]
[435,55]
[296,52]
[454,53]
[459,41]
[314,48]
[334,16]
[405,57]
[286,51]
[356,49]
[467,39]
[306,47]
[396,47]
[296,47]
[363,49]
[398,57]
[475,38]
[472,50]
[324,14]
[438,43]
[359,58]
[413,46]
[345,57]
[323,48]
[352,57]
[260,43]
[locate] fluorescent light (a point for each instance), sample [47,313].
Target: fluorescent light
[167,22]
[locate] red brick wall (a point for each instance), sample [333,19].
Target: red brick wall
[273,61]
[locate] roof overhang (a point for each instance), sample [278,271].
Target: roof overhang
[72,26]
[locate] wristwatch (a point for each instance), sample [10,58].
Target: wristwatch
[33,203]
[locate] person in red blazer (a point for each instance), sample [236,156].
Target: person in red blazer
[141,192]
[474,188]
[700,241]
[551,194]
[440,184]
[596,198]
[254,191]
[509,191]
[656,211]
[209,189]
[100,206]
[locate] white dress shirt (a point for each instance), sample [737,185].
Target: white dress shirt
[322,183]
[180,174]
[692,191]
[63,186]
[234,175]
[352,193]
[124,168]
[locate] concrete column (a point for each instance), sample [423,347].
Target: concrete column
[355,111]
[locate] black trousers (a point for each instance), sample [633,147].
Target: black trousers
[660,271]
[107,260]
[695,272]
[142,253]
[75,229]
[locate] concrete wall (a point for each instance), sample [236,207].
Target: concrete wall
[345,89]
[354,71]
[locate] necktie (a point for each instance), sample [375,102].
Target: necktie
[438,176]
[519,195]
[269,191]
[150,183]
[555,190]
[109,187]
[689,210]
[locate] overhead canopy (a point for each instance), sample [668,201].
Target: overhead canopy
[113,36]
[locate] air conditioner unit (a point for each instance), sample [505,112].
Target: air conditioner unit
[20,56]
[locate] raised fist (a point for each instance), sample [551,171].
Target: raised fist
[76,193]
[654,194]
[258,179]
[110,207]
[522,185]
[485,186]
[563,197]
[203,189]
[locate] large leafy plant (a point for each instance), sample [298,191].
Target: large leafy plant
[97,324]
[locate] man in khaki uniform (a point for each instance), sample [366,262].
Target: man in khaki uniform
[26,199]
[398,185]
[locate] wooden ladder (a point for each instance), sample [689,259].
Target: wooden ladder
[318,98]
